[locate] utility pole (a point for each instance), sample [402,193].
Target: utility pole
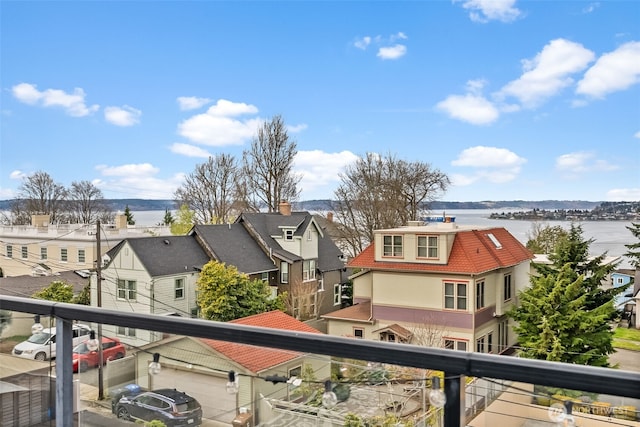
[99,302]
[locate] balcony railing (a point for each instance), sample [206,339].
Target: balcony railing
[456,365]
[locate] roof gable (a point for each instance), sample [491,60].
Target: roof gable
[258,359]
[166,255]
[472,252]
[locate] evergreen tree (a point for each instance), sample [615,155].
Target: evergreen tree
[573,251]
[225,294]
[633,252]
[168,218]
[554,321]
[129,215]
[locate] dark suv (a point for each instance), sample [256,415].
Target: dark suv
[172,407]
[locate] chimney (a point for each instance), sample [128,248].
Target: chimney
[330,216]
[284,208]
[121,222]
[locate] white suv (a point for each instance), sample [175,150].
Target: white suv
[42,345]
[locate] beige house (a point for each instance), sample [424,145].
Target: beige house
[436,284]
[43,249]
[200,368]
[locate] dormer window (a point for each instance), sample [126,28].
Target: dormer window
[427,246]
[392,245]
[288,234]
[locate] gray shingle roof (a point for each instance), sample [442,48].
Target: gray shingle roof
[167,255]
[25,286]
[233,245]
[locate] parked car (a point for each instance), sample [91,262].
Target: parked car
[172,407]
[83,358]
[42,345]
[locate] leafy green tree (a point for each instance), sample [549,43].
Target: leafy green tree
[59,291]
[84,297]
[129,215]
[555,323]
[633,252]
[544,239]
[225,294]
[184,221]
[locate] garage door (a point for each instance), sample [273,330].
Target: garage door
[209,390]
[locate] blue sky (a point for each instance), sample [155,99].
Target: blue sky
[529,100]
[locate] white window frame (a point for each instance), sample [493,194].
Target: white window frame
[179,286]
[456,297]
[24,252]
[9,251]
[481,344]
[490,342]
[456,344]
[82,256]
[265,277]
[126,290]
[308,270]
[309,235]
[392,245]
[126,331]
[503,336]
[288,234]
[337,294]
[284,272]
[360,331]
[64,255]
[619,280]
[427,246]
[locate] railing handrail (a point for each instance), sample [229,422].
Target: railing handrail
[541,372]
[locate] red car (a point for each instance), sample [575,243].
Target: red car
[84,358]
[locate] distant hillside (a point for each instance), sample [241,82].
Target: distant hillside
[324,205]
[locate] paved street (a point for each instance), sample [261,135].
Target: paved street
[628,360]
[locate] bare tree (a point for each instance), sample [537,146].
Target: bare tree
[38,195]
[383,192]
[303,300]
[86,203]
[210,191]
[267,166]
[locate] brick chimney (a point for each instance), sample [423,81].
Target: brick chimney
[284,208]
[330,216]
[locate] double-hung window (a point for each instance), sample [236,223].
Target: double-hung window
[25,252]
[455,296]
[179,288]
[308,270]
[64,256]
[337,294]
[480,344]
[284,272]
[43,253]
[479,294]
[427,247]
[392,245]
[508,287]
[9,251]
[127,289]
[81,256]
[454,344]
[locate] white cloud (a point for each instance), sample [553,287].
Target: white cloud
[17,175]
[580,162]
[189,150]
[392,52]
[623,194]
[122,116]
[612,72]
[469,108]
[137,179]
[548,73]
[591,7]
[73,104]
[320,172]
[388,48]
[637,135]
[297,128]
[362,43]
[191,102]
[496,165]
[491,10]
[217,127]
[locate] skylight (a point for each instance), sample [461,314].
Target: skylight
[495,241]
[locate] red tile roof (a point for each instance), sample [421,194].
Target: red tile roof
[472,252]
[257,359]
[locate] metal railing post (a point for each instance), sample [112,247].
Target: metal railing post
[64,373]
[454,412]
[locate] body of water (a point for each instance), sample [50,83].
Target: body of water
[609,236]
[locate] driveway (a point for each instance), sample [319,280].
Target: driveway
[628,360]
